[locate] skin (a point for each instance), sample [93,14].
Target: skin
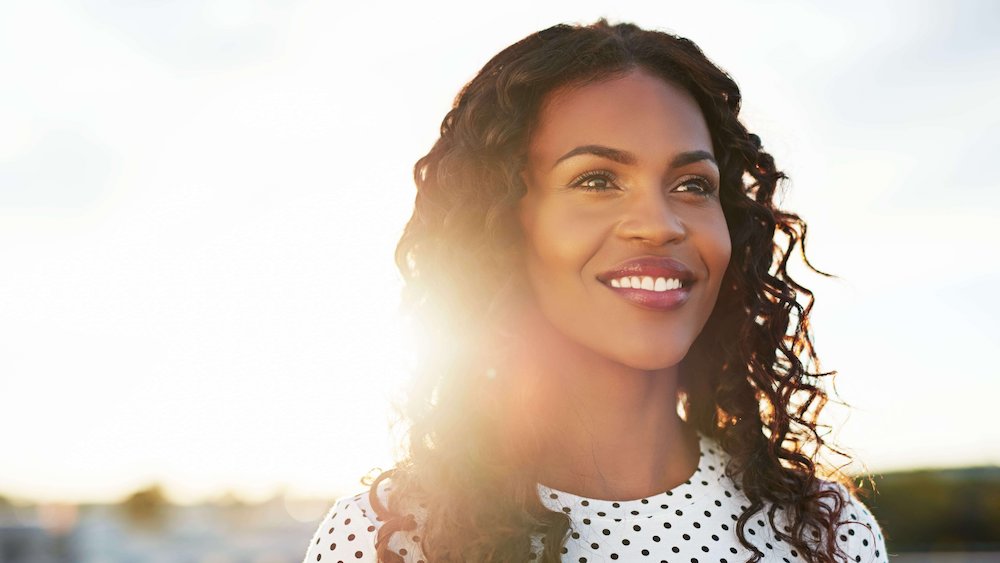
[603,371]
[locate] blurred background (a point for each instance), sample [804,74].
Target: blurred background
[199,202]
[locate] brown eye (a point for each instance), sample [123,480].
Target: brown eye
[696,185]
[595,181]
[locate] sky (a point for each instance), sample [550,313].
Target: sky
[199,202]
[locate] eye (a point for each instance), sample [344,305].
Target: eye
[595,181]
[697,185]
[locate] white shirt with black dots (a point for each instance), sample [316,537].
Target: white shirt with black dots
[694,522]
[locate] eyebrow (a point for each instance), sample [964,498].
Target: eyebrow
[625,157]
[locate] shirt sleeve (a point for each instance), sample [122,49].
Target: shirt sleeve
[345,534]
[860,535]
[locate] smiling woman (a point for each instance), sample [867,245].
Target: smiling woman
[616,361]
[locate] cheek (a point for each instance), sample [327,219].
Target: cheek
[724,242]
[717,247]
[561,239]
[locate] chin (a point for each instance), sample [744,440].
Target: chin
[652,359]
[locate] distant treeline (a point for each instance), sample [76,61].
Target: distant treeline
[938,510]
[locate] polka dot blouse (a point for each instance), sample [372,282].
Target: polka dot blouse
[694,522]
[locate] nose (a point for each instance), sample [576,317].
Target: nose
[649,218]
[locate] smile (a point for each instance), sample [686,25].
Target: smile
[659,283]
[647,283]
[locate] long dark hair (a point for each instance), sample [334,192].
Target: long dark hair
[751,380]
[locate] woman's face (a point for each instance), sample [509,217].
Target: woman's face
[622,207]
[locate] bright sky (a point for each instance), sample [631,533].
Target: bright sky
[199,202]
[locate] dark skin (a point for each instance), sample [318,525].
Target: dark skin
[600,371]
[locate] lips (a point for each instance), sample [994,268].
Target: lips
[658,283]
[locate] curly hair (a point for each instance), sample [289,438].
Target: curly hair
[751,380]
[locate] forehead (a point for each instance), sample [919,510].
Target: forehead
[636,111]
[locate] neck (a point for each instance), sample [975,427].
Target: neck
[604,430]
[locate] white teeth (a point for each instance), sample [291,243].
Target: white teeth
[647,283]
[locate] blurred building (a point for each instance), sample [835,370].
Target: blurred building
[28,544]
[206,533]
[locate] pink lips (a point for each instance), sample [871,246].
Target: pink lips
[654,267]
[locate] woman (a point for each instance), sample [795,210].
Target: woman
[617,365]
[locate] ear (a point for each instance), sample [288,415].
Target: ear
[525,205]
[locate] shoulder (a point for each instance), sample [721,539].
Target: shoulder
[858,533]
[350,528]
[347,532]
